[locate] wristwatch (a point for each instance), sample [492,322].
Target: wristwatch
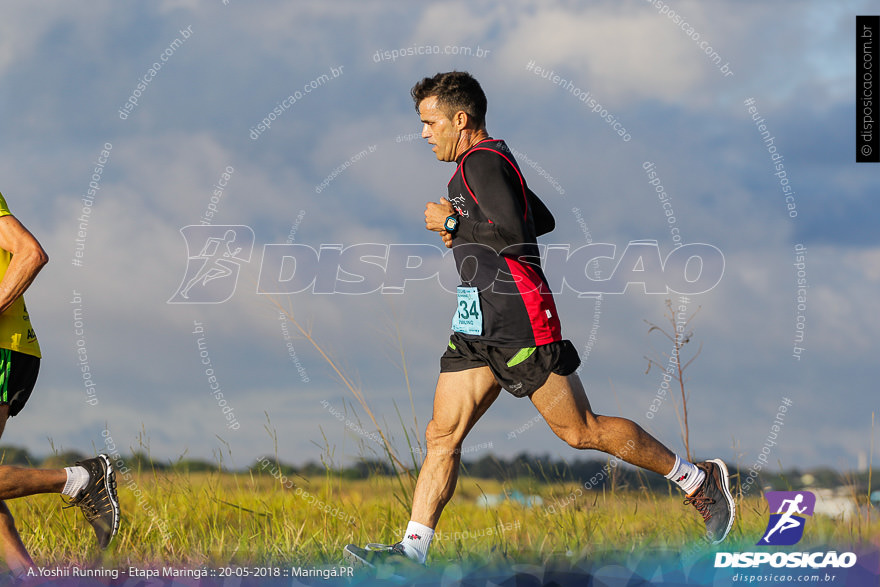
[450,225]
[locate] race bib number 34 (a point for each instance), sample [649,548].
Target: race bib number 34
[468,317]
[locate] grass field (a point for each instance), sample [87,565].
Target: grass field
[216,519]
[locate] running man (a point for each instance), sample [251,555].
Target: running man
[506,331]
[787,521]
[215,260]
[90,484]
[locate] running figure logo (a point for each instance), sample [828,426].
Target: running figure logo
[212,274]
[786,526]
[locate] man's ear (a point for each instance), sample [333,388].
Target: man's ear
[460,119]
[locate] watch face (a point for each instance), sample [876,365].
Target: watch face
[451,224]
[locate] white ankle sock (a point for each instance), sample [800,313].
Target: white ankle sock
[686,475]
[416,541]
[77,478]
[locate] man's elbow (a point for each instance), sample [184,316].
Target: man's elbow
[37,257]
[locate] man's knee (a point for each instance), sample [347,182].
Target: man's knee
[581,438]
[443,438]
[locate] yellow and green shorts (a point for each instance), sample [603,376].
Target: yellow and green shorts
[18,375]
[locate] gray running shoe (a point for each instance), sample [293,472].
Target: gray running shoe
[98,500]
[714,501]
[389,560]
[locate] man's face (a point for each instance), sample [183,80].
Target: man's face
[440,131]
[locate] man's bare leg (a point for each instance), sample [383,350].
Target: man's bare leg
[19,482]
[459,401]
[563,403]
[16,555]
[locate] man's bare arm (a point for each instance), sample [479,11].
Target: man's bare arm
[28,257]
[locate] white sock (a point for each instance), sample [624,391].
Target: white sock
[686,475]
[416,541]
[77,478]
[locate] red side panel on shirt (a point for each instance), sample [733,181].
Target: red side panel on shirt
[540,306]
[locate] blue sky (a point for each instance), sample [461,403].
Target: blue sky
[66,72]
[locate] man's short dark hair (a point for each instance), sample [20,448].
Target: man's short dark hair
[455,90]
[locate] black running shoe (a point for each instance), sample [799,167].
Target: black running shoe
[714,501]
[98,500]
[388,560]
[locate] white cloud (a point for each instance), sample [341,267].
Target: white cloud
[24,25]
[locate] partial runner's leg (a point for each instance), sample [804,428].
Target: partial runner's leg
[459,401]
[21,481]
[16,555]
[461,398]
[14,482]
[563,403]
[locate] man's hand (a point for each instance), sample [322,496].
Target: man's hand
[435,217]
[436,214]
